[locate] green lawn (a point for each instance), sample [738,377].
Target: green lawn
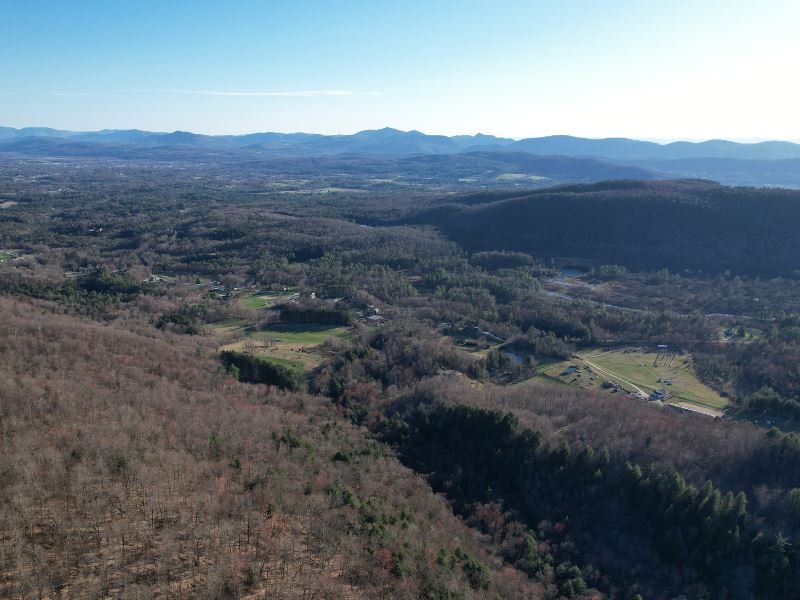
[5,256]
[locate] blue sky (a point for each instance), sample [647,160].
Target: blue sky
[649,69]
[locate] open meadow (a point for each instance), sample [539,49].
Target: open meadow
[290,344]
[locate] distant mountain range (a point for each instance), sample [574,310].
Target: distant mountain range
[372,142]
[765,164]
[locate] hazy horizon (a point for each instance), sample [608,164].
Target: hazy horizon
[683,71]
[661,141]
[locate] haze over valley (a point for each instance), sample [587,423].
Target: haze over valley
[458,161]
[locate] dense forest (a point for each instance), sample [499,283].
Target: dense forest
[678,225]
[216,387]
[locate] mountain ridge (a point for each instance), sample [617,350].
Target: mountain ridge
[768,164]
[394,141]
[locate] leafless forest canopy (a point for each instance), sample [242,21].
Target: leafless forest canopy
[217,385]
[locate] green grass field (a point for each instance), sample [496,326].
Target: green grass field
[296,343]
[5,256]
[637,368]
[264,300]
[254,302]
[305,334]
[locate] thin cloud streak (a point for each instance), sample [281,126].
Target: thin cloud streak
[287,94]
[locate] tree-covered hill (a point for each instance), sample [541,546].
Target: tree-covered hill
[678,225]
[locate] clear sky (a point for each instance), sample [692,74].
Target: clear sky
[660,69]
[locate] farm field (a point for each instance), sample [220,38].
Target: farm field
[635,370]
[291,344]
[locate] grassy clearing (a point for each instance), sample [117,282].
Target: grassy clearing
[261,300]
[637,368]
[295,344]
[473,349]
[5,256]
[254,302]
[307,334]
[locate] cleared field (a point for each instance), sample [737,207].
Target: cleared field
[265,300]
[478,352]
[339,190]
[291,344]
[519,177]
[635,370]
[254,302]
[5,256]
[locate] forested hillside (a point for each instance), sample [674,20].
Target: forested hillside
[271,328]
[133,465]
[213,388]
[678,225]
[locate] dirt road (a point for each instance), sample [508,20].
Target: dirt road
[638,390]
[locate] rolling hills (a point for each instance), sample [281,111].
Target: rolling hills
[771,164]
